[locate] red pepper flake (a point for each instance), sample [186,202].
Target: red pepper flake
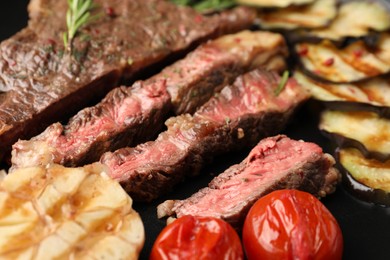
[110,11]
[328,62]
[358,53]
[237,40]
[51,42]
[198,19]
[97,31]
[303,51]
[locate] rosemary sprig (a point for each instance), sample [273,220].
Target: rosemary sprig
[206,5]
[78,15]
[282,83]
[213,5]
[182,2]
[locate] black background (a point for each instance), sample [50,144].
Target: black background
[365,227]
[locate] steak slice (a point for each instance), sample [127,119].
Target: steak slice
[235,118]
[129,116]
[42,82]
[275,163]
[194,80]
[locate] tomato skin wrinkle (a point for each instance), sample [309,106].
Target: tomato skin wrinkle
[191,237]
[291,224]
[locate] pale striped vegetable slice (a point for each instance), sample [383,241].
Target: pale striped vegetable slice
[370,172]
[363,130]
[369,179]
[371,95]
[353,63]
[356,19]
[317,14]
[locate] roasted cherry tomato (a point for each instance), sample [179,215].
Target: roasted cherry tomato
[291,224]
[192,237]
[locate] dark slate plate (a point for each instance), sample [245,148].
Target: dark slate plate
[365,227]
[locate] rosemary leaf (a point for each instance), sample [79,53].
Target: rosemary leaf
[213,5]
[77,16]
[206,5]
[182,2]
[282,83]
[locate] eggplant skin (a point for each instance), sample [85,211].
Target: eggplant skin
[366,179]
[364,131]
[351,106]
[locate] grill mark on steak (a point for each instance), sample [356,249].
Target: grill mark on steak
[275,163]
[235,118]
[39,84]
[129,116]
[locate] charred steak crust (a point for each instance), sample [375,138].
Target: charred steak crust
[129,116]
[41,84]
[305,167]
[237,117]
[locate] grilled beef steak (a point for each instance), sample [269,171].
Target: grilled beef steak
[275,163]
[129,116]
[42,82]
[236,117]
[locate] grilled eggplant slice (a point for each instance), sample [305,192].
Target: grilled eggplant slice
[356,19]
[368,179]
[365,131]
[353,63]
[274,3]
[67,213]
[371,95]
[314,15]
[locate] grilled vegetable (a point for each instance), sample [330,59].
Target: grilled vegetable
[356,19]
[197,237]
[273,3]
[353,63]
[371,95]
[363,130]
[368,179]
[75,213]
[317,14]
[291,224]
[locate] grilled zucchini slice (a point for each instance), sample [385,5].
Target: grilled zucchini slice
[365,131]
[353,63]
[371,95]
[368,179]
[356,19]
[314,15]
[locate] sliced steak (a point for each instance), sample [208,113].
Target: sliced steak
[129,116]
[42,82]
[236,117]
[275,163]
[193,80]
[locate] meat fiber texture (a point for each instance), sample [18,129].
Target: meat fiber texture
[129,116]
[41,82]
[237,117]
[274,163]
